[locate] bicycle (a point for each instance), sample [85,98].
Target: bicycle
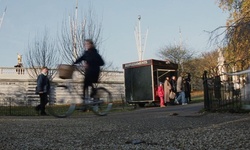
[63,106]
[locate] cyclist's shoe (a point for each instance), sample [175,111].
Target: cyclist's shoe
[92,101]
[97,101]
[88,101]
[83,109]
[44,114]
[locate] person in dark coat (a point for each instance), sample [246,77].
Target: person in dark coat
[43,89]
[173,84]
[187,89]
[92,60]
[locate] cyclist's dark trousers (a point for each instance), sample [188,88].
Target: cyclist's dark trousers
[43,102]
[90,78]
[86,85]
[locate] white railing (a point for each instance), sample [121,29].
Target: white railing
[17,73]
[12,70]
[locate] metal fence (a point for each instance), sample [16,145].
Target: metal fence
[9,107]
[17,89]
[225,95]
[14,106]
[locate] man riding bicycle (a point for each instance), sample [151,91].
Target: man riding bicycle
[92,60]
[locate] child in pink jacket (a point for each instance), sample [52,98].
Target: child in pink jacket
[160,93]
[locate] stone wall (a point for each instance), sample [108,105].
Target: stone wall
[18,89]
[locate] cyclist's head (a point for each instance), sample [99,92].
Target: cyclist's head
[89,44]
[44,70]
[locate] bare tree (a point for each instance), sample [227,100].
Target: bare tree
[209,62]
[42,52]
[74,33]
[175,54]
[72,37]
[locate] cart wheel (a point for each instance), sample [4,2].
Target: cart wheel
[141,105]
[135,106]
[155,104]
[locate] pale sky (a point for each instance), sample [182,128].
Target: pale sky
[25,19]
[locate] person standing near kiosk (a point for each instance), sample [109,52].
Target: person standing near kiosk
[180,92]
[160,92]
[167,88]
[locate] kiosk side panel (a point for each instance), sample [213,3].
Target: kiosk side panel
[138,84]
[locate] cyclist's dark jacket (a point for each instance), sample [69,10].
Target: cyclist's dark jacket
[94,61]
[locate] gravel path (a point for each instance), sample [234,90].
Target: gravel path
[175,127]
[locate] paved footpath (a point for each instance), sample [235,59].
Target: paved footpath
[173,127]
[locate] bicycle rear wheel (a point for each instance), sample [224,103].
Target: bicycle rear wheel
[62,105]
[103,98]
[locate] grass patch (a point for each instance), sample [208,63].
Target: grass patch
[17,111]
[197,97]
[231,107]
[30,110]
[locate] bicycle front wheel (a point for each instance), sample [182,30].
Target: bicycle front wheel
[103,99]
[62,105]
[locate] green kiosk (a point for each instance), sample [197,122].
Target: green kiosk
[143,77]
